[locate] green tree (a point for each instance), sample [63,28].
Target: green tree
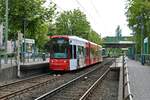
[138,13]
[72,23]
[95,37]
[75,23]
[30,17]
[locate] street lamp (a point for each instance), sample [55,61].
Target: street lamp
[140,18]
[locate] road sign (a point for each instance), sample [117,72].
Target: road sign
[146,45]
[146,40]
[29,41]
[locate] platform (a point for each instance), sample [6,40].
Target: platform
[27,69]
[117,64]
[34,65]
[29,63]
[139,76]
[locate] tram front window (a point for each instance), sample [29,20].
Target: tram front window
[59,48]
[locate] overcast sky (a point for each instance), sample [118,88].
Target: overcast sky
[103,15]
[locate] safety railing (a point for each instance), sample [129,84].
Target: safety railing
[146,58]
[34,57]
[24,58]
[138,57]
[11,59]
[127,95]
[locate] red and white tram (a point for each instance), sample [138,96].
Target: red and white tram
[71,53]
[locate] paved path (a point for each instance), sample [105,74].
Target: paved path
[139,80]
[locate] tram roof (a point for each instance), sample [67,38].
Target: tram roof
[78,38]
[81,39]
[75,38]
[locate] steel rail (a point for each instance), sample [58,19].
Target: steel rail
[85,95]
[11,95]
[44,96]
[129,96]
[22,80]
[16,93]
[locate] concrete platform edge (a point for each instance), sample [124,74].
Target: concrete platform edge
[10,73]
[120,95]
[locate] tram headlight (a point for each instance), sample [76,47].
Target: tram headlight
[65,61]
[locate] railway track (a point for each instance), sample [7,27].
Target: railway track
[31,88]
[107,89]
[79,87]
[19,87]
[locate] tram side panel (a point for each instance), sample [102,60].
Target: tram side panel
[92,54]
[76,54]
[87,57]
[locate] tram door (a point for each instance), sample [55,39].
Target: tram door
[73,57]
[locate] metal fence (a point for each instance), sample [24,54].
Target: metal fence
[146,58]
[126,83]
[33,57]
[24,58]
[11,59]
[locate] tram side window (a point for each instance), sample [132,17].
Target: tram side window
[100,52]
[83,52]
[92,52]
[71,51]
[75,51]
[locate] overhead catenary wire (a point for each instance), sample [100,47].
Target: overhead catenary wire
[97,12]
[85,10]
[53,1]
[80,5]
[95,8]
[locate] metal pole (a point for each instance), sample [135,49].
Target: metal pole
[0,63]
[6,30]
[135,47]
[147,46]
[24,46]
[142,32]
[18,55]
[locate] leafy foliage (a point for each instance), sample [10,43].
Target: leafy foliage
[28,16]
[36,21]
[95,37]
[72,23]
[139,14]
[75,23]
